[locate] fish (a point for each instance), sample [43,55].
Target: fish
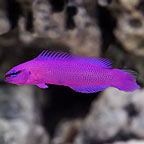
[80,73]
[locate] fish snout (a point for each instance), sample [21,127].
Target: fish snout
[6,79]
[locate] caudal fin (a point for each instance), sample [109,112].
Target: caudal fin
[125,80]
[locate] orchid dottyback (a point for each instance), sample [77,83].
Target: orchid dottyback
[82,74]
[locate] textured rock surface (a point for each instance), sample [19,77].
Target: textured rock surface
[112,113]
[137,122]
[72,26]
[106,117]
[4,21]
[19,118]
[130,23]
[131,142]
[66,132]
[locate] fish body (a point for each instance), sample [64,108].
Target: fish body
[82,74]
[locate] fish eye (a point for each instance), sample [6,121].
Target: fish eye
[13,73]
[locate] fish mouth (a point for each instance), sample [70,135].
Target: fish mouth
[6,80]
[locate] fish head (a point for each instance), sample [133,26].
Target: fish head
[18,75]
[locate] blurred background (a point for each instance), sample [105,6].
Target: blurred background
[113,29]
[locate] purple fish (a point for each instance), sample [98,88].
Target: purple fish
[82,74]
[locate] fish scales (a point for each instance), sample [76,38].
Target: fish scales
[71,73]
[82,74]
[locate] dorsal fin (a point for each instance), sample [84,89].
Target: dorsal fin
[52,55]
[45,55]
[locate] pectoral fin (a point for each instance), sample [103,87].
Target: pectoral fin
[42,85]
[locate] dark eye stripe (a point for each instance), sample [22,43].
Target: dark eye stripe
[13,74]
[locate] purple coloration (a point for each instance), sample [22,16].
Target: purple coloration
[49,55]
[82,74]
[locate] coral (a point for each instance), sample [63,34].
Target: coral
[18,121]
[130,23]
[4,21]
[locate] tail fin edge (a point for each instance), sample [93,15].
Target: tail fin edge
[126,80]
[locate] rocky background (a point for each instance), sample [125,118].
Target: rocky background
[106,28]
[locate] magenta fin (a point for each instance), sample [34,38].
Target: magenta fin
[89,89]
[42,85]
[131,72]
[52,55]
[126,80]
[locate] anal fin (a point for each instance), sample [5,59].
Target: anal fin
[42,85]
[89,89]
